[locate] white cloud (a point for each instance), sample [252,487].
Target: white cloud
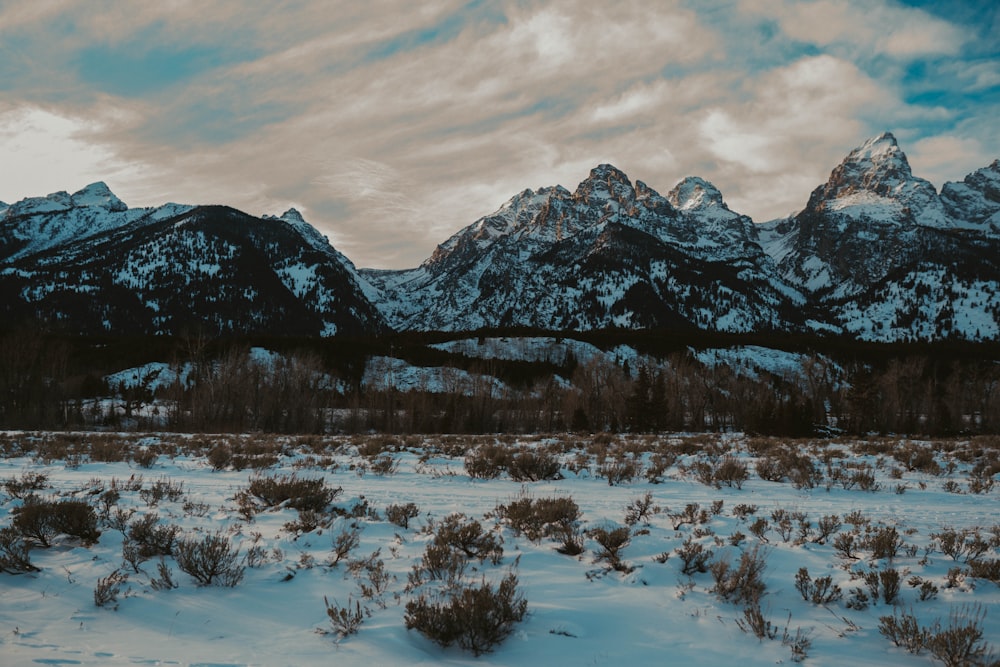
[44,152]
[800,121]
[945,158]
[863,26]
[393,127]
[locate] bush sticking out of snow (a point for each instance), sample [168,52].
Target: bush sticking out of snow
[477,618]
[211,560]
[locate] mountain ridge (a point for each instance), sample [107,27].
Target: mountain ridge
[876,254]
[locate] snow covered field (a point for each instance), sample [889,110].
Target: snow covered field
[922,514]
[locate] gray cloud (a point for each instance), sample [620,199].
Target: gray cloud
[393,126]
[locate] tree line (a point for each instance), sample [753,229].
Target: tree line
[320,387]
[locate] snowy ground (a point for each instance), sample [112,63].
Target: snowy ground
[580,612]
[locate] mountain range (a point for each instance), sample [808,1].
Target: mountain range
[876,254]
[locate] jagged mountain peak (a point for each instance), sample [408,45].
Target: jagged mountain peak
[100,195]
[292,215]
[694,193]
[875,182]
[976,199]
[312,235]
[606,183]
[51,203]
[97,195]
[878,166]
[882,144]
[605,171]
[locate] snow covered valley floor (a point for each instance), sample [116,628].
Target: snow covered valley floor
[694,550]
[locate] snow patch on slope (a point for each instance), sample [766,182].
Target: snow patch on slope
[382,373]
[751,360]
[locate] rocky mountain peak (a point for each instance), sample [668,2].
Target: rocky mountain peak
[98,194]
[878,166]
[55,202]
[696,194]
[606,183]
[976,199]
[293,216]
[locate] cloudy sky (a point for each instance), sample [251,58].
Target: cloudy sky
[391,124]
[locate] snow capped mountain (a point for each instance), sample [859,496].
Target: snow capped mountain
[874,182]
[976,200]
[90,264]
[608,254]
[876,254]
[884,257]
[36,224]
[100,195]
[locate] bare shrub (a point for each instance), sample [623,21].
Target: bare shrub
[743,584]
[963,545]
[164,579]
[821,590]
[377,578]
[152,538]
[570,541]
[847,545]
[730,471]
[109,450]
[858,599]
[163,488]
[487,461]
[384,465]
[468,537]
[307,522]
[703,471]
[927,590]
[220,456]
[619,470]
[980,483]
[439,563]
[14,552]
[211,560]
[784,522]
[533,465]
[477,618]
[770,469]
[799,643]
[857,519]
[754,623]
[692,514]
[828,525]
[785,463]
[985,568]
[400,515]
[346,621]
[884,542]
[640,509]
[759,529]
[25,485]
[145,457]
[887,581]
[916,458]
[611,542]
[109,588]
[694,556]
[296,492]
[539,517]
[343,543]
[904,631]
[42,520]
[961,642]
[743,510]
